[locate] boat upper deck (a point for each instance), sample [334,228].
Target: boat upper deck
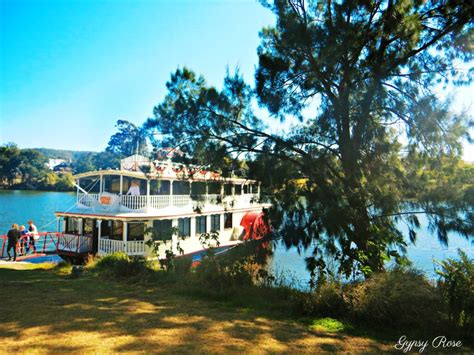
[159,188]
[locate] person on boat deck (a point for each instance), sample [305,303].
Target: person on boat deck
[134,189]
[23,240]
[33,234]
[13,235]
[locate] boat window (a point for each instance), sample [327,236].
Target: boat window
[215,222]
[72,225]
[247,189]
[181,188]
[227,220]
[162,229]
[214,188]
[105,228]
[87,226]
[117,230]
[198,189]
[111,183]
[254,188]
[201,225]
[184,225]
[159,187]
[90,184]
[228,189]
[127,182]
[136,230]
[238,189]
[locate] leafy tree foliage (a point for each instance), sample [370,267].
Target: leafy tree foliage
[26,169]
[10,160]
[370,146]
[84,164]
[129,140]
[32,167]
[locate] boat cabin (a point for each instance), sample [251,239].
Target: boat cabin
[119,210]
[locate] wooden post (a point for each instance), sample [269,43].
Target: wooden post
[121,185]
[80,229]
[124,236]
[171,192]
[174,237]
[99,231]
[192,229]
[208,223]
[147,194]
[147,237]
[221,223]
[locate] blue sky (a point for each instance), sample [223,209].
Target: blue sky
[70,69]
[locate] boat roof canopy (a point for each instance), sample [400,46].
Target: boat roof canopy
[141,167]
[155,176]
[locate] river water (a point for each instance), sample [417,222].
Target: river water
[20,206]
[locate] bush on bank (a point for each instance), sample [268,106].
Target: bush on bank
[121,266]
[399,298]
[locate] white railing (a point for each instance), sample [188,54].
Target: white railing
[87,199]
[159,201]
[214,199]
[135,247]
[162,201]
[75,243]
[133,202]
[107,246]
[132,247]
[181,200]
[246,200]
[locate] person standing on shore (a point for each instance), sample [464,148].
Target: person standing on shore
[24,243]
[33,234]
[13,236]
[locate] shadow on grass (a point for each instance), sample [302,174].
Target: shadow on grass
[43,311]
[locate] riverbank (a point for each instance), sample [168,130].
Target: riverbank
[58,314]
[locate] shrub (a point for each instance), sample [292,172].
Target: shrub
[119,265]
[326,301]
[456,285]
[182,265]
[227,272]
[90,261]
[63,268]
[397,298]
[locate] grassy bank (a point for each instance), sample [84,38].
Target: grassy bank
[107,309]
[46,312]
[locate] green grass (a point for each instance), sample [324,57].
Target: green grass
[46,312]
[44,309]
[330,325]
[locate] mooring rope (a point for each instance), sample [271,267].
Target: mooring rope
[88,189]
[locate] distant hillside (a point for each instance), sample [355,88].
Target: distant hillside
[73,155]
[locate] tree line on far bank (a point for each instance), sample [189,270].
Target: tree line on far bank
[27,169]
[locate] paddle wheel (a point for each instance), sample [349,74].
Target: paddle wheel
[254,225]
